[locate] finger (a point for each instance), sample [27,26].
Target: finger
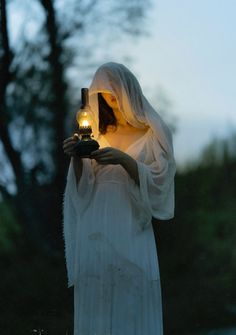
[106,159]
[70,139]
[105,162]
[76,136]
[102,157]
[68,149]
[69,144]
[100,151]
[106,149]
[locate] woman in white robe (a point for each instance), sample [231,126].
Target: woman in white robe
[109,202]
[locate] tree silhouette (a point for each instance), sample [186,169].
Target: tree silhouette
[35,101]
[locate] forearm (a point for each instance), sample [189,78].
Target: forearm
[78,167]
[131,166]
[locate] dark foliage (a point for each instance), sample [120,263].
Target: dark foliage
[196,250]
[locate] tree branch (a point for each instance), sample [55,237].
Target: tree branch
[5,78]
[6,55]
[59,88]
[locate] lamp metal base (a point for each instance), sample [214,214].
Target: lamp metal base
[85,147]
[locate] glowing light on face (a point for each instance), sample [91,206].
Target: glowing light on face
[110,100]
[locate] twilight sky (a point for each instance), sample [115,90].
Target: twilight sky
[190,55]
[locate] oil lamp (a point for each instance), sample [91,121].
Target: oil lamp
[85,144]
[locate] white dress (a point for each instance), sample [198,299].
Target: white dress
[111,252]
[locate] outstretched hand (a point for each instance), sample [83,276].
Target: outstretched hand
[108,155]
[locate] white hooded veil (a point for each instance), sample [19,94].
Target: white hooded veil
[154,197]
[116,79]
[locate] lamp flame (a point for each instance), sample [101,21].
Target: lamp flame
[85,123]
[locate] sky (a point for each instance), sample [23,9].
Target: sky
[190,55]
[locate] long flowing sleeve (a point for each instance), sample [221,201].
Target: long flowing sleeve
[76,200]
[154,197]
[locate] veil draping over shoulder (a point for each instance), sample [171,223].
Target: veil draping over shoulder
[116,79]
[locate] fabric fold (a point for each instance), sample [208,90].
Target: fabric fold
[69,225]
[76,199]
[154,197]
